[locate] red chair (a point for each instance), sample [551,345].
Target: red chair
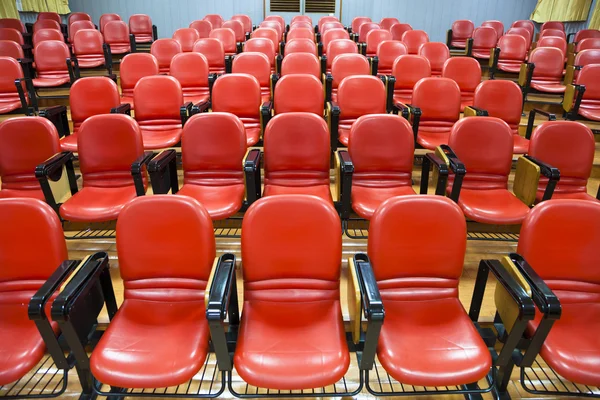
[299,93]
[337,47]
[276,26]
[277,18]
[267,33]
[364,29]
[78,26]
[387,53]
[408,70]
[133,68]
[485,39]
[301,18]
[12,23]
[186,38]
[25,142]
[324,20]
[301,63]
[497,25]
[374,38]
[262,45]
[331,25]
[586,34]
[215,20]
[547,64]
[51,64]
[583,58]
[191,70]
[11,34]
[331,35]
[553,32]
[238,28]
[213,50]
[398,30]
[357,96]
[88,97]
[12,99]
[345,65]
[300,46]
[510,54]
[245,20]
[49,24]
[106,18]
[47,34]
[553,41]
[466,72]
[524,32]
[461,31]
[257,65]
[527,24]
[553,25]
[203,28]
[503,99]
[300,33]
[239,94]
[78,16]
[140,26]
[387,23]
[414,39]
[227,37]
[8,48]
[437,53]
[586,102]
[49,15]
[90,50]
[302,25]
[116,35]
[357,22]
[587,44]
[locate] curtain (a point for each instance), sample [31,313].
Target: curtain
[34,5]
[561,10]
[58,6]
[595,18]
[8,9]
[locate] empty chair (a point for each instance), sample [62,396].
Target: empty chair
[78,26]
[357,22]
[164,50]
[553,32]
[548,69]
[88,47]
[13,23]
[381,148]
[227,37]
[51,24]
[331,25]
[497,25]
[186,38]
[553,25]
[215,20]
[213,50]
[346,65]
[466,72]
[116,35]
[586,44]
[51,64]
[140,26]
[588,77]
[485,39]
[266,33]
[503,99]
[257,65]
[386,23]
[586,34]
[299,93]
[364,29]
[11,34]
[553,41]
[583,58]
[337,47]
[10,100]
[158,102]
[277,18]
[239,94]
[301,63]
[524,32]
[8,48]
[414,39]
[398,30]
[49,15]
[106,18]
[437,53]
[387,53]
[133,68]
[25,142]
[245,20]
[300,46]
[301,25]
[324,20]
[301,18]
[461,31]
[191,70]
[527,24]
[89,96]
[262,45]
[238,28]
[331,35]
[358,96]
[78,16]
[439,100]
[408,70]
[276,26]
[374,38]
[300,33]
[513,52]
[203,27]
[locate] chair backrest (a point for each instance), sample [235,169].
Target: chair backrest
[586,44]
[331,25]
[261,45]
[387,23]
[414,39]
[375,37]
[78,16]
[438,99]
[553,25]
[276,26]
[358,21]
[299,93]
[190,254]
[462,29]
[301,18]
[361,95]
[300,33]
[238,94]
[77,26]
[265,249]
[388,51]
[297,150]
[346,65]
[586,34]
[553,41]
[203,27]
[365,28]
[106,18]
[484,38]
[213,50]
[51,56]
[465,71]
[553,32]
[524,32]
[116,32]
[398,30]
[406,264]
[215,20]
[8,48]
[140,24]
[527,24]
[157,98]
[301,25]
[164,50]
[227,37]
[47,34]
[501,99]
[300,46]
[213,146]
[92,96]
[340,46]
[10,71]
[409,69]
[497,25]
[186,38]
[13,23]
[437,53]
[238,28]
[134,67]
[513,47]
[267,33]
[88,42]
[589,76]
[12,35]
[48,24]
[301,63]
[245,20]
[590,56]
[191,70]
[277,18]
[549,62]
[255,64]
[331,35]
[49,15]
[324,20]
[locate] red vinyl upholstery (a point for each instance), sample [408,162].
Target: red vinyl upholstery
[414,39]
[485,39]
[357,22]
[133,68]
[301,46]
[290,303]
[301,25]
[364,29]
[427,338]
[257,65]
[47,34]
[437,53]
[8,48]
[324,20]
[408,70]
[485,146]
[13,23]
[203,27]
[116,34]
[276,26]
[548,72]
[466,72]
[337,47]
[398,30]
[239,94]
[9,97]
[513,53]
[357,96]
[186,38]
[277,18]
[374,38]
[387,23]
[11,34]
[553,32]
[262,45]
[78,16]
[227,37]
[49,24]
[331,35]
[301,18]
[553,25]
[300,33]
[524,32]
[301,63]
[140,25]
[31,248]
[191,70]
[299,93]
[106,18]
[76,27]
[586,34]
[49,15]
[346,65]
[107,144]
[497,25]
[238,28]
[527,24]
[553,41]
[266,33]
[461,31]
[215,20]
[569,266]
[163,308]
[439,100]
[381,148]
[87,47]
[51,64]
[245,20]
[25,142]
[568,146]
[589,76]
[297,152]
[387,52]
[214,52]
[331,25]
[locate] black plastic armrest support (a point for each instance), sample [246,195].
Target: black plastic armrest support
[372,308]
[550,172]
[73,67]
[479,112]
[531,120]
[154,32]
[459,170]
[320,49]
[374,65]
[335,123]
[346,171]
[569,36]
[440,165]
[212,78]
[228,64]
[200,108]
[124,108]
[252,172]
[580,91]
[469,47]
[58,116]
[52,169]
[132,43]
[494,66]
[449,38]
[412,114]
[598,193]
[185,112]
[328,86]
[23,98]
[278,62]
[265,113]
[222,301]
[137,169]
[163,172]
[323,64]
[107,58]
[390,83]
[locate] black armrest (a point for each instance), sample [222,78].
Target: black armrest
[58,116]
[580,91]
[274,80]
[73,67]
[320,49]
[252,173]
[473,111]
[362,49]
[132,43]
[410,113]
[154,32]
[136,171]
[27,65]
[222,300]
[569,36]
[440,165]
[26,98]
[328,86]
[124,108]
[372,308]
[323,64]
[163,172]
[469,48]
[334,120]
[374,65]
[525,77]
[201,107]
[345,179]
[550,172]
[458,168]
[107,58]
[228,64]
[598,193]
[494,62]
[212,78]
[239,47]
[278,61]
[531,120]
[265,114]
[390,83]
[185,111]
[52,169]
[449,38]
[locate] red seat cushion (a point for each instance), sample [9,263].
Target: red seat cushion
[564,195]
[221,202]
[291,345]
[253,130]
[120,48]
[143,38]
[492,206]
[168,341]
[521,145]
[69,143]
[588,111]
[91,60]
[365,199]
[321,191]
[35,193]
[548,86]
[9,104]
[510,66]
[344,131]
[160,136]
[54,81]
[434,134]
[431,343]
[97,204]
